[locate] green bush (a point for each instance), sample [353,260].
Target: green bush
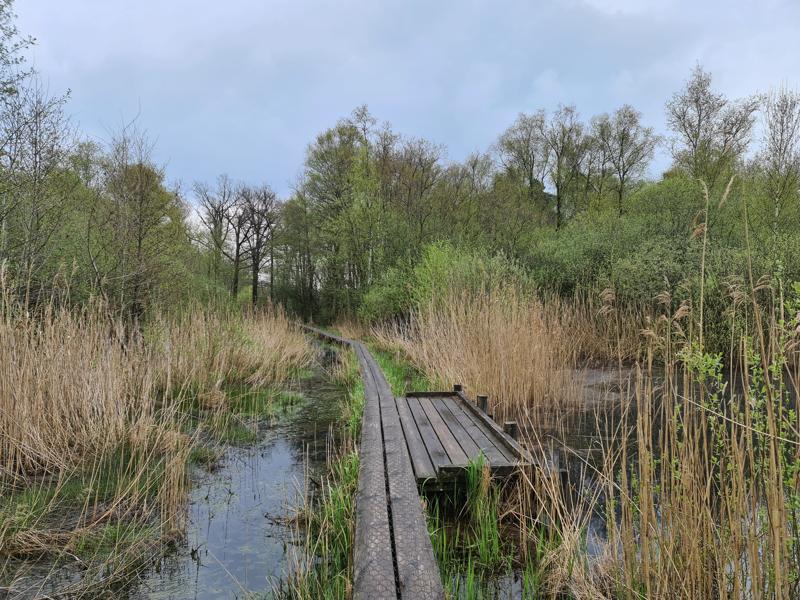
[442,267]
[656,265]
[389,297]
[445,267]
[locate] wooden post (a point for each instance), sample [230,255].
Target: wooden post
[510,427]
[458,387]
[483,402]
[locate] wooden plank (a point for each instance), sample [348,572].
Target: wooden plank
[324,335]
[436,451]
[423,467]
[411,571]
[416,568]
[463,438]
[450,443]
[495,455]
[428,394]
[493,436]
[481,417]
[374,570]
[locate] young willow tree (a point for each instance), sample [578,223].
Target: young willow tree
[780,161]
[626,148]
[137,228]
[711,133]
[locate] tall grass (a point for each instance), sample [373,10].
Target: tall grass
[97,425]
[519,350]
[696,473]
[325,525]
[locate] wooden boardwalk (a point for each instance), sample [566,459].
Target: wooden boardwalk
[422,439]
[444,432]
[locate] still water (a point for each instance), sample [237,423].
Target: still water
[240,514]
[239,533]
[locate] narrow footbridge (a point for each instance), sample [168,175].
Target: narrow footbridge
[424,440]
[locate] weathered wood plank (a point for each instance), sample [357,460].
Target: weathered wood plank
[449,442]
[423,467]
[434,447]
[430,433]
[494,455]
[417,570]
[493,436]
[481,417]
[466,442]
[374,569]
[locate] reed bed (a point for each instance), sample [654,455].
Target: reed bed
[693,467]
[519,351]
[98,421]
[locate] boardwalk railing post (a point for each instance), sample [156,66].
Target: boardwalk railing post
[510,427]
[483,402]
[458,387]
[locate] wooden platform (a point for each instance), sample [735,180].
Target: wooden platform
[425,439]
[445,431]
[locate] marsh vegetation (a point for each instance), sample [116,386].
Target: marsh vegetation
[100,424]
[642,329]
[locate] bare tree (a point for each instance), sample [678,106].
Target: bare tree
[213,214]
[627,145]
[49,137]
[12,106]
[711,132]
[239,227]
[780,155]
[261,207]
[34,191]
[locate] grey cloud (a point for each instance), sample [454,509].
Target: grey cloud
[243,86]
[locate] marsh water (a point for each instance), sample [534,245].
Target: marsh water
[240,528]
[572,439]
[239,536]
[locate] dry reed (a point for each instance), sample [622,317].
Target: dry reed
[696,475]
[94,430]
[520,351]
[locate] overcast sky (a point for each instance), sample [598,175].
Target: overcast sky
[242,86]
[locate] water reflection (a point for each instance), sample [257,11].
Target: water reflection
[239,528]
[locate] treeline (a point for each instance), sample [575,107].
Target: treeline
[564,203]
[565,200]
[81,219]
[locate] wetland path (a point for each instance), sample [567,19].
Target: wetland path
[419,441]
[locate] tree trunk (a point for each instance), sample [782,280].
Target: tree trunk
[558,210]
[271,269]
[236,267]
[254,272]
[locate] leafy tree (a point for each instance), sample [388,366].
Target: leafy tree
[564,137]
[524,152]
[626,147]
[711,133]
